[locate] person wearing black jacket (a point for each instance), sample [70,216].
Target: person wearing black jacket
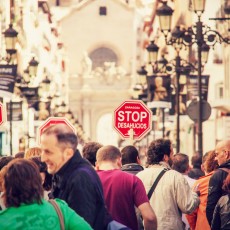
[221,217]
[215,191]
[74,179]
[130,160]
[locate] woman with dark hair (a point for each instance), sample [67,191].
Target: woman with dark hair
[46,177]
[221,215]
[3,162]
[25,206]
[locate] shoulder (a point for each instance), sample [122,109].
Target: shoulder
[63,206]
[224,199]
[71,218]
[174,174]
[82,178]
[60,202]
[147,172]
[176,179]
[224,203]
[218,175]
[84,171]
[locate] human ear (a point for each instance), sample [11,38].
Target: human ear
[227,155]
[69,152]
[138,160]
[166,158]
[96,166]
[119,164]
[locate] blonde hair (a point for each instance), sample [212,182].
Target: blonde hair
[33,152]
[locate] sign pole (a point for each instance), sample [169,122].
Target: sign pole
[163,122]
[11,130]
[131,136]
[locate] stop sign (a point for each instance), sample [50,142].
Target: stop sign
[1,113]
[132,118]
[54,121]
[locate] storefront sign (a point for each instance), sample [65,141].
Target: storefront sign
[8,75]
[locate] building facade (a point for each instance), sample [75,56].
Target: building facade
[101,43]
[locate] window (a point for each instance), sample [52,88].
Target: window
[219,90]
[102,11]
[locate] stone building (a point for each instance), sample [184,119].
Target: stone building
[101,44]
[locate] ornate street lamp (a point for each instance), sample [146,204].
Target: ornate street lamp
[227,7]
[61,109]
[69,115]
[45,86]
[26,75]
[142,76]
[198,34]
[152,49]
[33,66]
[204,53]
[161,63]
[165,17]
[11,39]
[198,6]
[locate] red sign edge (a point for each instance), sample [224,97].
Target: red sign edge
[3,114]
[57,119]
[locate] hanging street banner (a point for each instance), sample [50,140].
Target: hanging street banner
[192,87]
[159,92]
[8,75]
[182,104]
[31,94]
[159,87]
[14,109]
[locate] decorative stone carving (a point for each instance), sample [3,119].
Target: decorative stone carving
[109,73]
[86,65]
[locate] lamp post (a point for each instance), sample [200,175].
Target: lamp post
[30,92]
[154,80]
[180,67]
[198,34]
[10,39]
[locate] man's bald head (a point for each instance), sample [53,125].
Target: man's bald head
[222,151]
[225,144]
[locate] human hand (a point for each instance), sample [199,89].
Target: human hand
[196,189]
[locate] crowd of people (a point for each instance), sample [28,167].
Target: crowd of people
[55,186]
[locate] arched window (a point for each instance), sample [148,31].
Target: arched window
[101,55]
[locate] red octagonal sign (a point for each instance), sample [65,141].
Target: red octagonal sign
[1,113]
[132,118]
[54,121]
